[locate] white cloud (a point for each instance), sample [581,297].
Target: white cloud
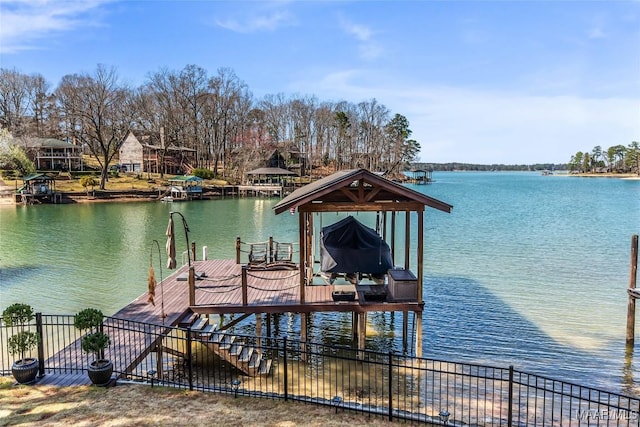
[264,22]
[367,46]
[25,22]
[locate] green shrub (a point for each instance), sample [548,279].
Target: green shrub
[19,315]
[203,173]
[95,341]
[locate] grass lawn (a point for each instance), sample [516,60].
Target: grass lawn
[141,405]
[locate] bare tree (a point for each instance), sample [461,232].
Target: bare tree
[98,113]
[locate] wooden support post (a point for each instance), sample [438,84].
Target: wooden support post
[303,253]
[405,330]
[309,237]
[418,315]
[633,277]
[259,332]
[268,325]
[193,250]
[407,239]
[244,285]
[238,250]
[303,337]
[354,328]
[192,285]
[420,256]
[393,237]
[362,334]
[159,364]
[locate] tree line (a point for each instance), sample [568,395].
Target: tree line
[215,115]
[472,167]
[616,159]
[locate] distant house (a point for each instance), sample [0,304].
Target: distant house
[274,172]
[51,153]
[145,152]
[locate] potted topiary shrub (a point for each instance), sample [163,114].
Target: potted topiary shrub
[19,315]
[95,342]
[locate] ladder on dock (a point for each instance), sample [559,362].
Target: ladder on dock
[244,357]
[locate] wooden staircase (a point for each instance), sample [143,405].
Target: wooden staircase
[227,346]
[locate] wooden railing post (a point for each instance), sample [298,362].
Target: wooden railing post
[238,250]
[270,259]
[633,277]
[244,285]
[192,286]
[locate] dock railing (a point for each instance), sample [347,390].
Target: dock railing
[389,385]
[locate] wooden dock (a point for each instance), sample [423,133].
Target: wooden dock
[218,290]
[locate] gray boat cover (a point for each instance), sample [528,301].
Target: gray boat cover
[348,246]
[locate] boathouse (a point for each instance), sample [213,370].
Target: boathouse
[355,191]
[285,277]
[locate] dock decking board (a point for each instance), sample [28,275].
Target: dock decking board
[268,291]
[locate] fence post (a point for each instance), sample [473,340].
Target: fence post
[189,361]
[39,331]
[390,386]
[510,409]
[286,375]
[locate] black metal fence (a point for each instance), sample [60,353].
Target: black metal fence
[383,384]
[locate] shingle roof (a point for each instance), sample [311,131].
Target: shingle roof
[378,189]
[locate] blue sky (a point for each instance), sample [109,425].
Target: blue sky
[479,81]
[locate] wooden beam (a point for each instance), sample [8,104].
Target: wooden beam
[350,195]
[633,277]
[373,193]
[420,273]
[223,326]
[351,206]
[393,237]
[407,239]
[418,334]
[303,251]
[343,307]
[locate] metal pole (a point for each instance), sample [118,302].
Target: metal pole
[186,234]
[40,345]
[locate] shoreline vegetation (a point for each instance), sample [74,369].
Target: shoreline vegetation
[131,187]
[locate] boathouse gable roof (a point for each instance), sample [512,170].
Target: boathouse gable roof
[357,189]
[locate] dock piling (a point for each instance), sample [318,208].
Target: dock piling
[633,276]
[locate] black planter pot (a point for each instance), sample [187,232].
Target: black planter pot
[25,370]
[100,372]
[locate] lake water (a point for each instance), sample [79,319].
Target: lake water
[527,270]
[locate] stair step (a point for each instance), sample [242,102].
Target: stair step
[254,363]
[208,330]
[187,320]
[236,349]
[246,354]
[265,367]
[227,342]
[199,324]
[217,337]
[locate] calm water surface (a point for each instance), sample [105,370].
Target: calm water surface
[527,270]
